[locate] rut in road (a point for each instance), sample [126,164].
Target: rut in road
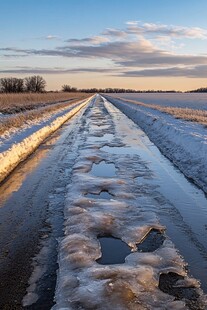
[91,276]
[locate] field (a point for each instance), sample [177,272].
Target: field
[191,107]
[197,101]
[18,109]
[14,103]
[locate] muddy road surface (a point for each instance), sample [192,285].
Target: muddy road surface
[99,176]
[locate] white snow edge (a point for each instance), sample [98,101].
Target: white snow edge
[184,143]
[10,158]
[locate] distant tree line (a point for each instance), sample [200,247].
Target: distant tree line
[199,90]
[36,84]
[68,88]
[32,84]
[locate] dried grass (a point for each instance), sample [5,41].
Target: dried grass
[19,119]
[14,103]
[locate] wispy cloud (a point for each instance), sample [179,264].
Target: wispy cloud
[14,55]
[190,72]
[48,37]
[167,30]
[111,32]
[96,40]
[56,70]
[132,22]
[52,37]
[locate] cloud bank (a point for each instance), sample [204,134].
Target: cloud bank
[132,50]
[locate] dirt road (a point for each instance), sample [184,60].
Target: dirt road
[102,159]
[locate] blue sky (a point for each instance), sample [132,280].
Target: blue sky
[110,43]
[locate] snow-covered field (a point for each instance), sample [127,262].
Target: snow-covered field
[185,143]
[17,145]
[181,100]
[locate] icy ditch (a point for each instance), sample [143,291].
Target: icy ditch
[130,217]
[184,143]
[21,144]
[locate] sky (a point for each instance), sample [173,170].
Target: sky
[137,44]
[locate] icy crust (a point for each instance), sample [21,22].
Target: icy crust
[18,151]
[185,143]
[83,283]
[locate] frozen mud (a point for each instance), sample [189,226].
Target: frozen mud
[129,218]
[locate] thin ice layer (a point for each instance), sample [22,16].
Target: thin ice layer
[82,282]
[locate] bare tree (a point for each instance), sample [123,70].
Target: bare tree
[4,83]
[35,84]
[19,85]
[68,88]
[11,85]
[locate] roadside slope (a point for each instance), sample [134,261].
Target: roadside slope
[18,147]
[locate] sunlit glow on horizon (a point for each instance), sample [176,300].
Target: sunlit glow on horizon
[134,48]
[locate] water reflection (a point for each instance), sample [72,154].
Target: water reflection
[15,180]
[103,170]
[114,251]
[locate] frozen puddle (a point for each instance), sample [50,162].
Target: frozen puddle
[107,137]
[101,195]
[153,240]
[114,251]
[103,170]
[171,283]
[118,150]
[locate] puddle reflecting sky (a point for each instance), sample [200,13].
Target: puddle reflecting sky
[106,137]
[114,251]
[119,150]
[151,242]
[103,170]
